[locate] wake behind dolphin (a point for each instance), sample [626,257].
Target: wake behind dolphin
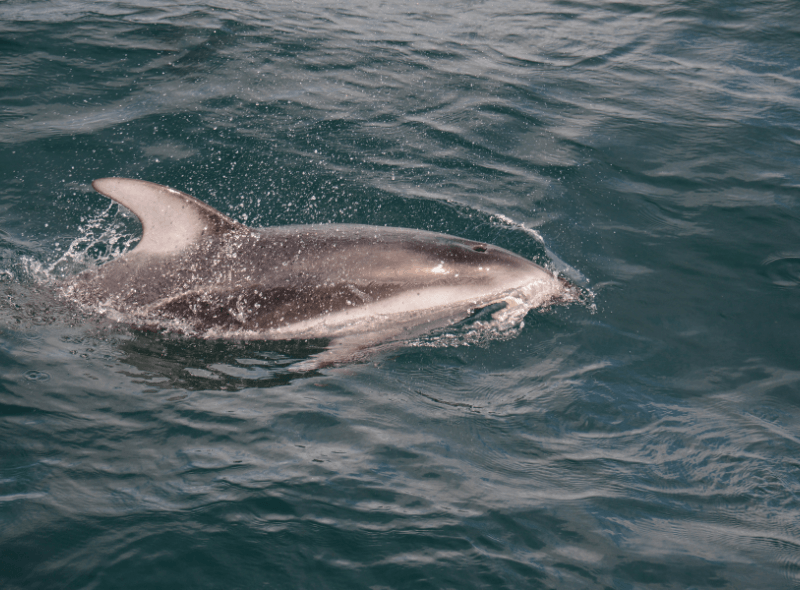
[198,272]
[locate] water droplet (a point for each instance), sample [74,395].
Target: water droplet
[37,376]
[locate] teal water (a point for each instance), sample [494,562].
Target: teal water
[647,440]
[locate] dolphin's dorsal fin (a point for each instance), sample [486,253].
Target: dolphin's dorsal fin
[171,220]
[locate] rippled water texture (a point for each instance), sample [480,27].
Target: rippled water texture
[651,442]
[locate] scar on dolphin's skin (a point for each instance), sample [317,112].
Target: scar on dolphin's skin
[199,272]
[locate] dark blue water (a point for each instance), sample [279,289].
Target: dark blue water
[649,440]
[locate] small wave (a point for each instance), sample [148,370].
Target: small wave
[783,269]
[555,263]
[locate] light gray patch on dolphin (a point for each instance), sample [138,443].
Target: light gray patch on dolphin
[198,272]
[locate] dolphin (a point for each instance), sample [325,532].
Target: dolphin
[198,272]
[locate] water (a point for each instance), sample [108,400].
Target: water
[650,442]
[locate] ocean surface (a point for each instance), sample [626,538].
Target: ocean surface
[647,436]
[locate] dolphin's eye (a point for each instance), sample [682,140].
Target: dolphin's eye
[479,248]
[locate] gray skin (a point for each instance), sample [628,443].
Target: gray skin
[198,271]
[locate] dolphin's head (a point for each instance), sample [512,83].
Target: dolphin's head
[466,261]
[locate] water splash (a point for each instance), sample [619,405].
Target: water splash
[555,263]
[103,236]
[506,319]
